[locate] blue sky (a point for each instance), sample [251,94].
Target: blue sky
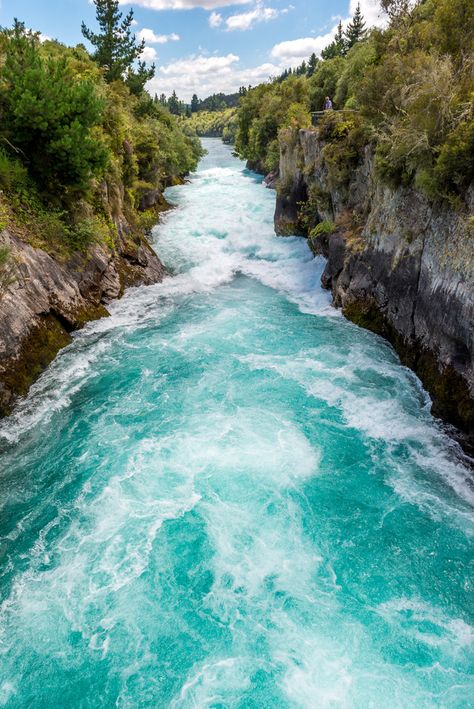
[205,46]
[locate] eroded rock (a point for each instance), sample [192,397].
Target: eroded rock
[49,298]
[397,264]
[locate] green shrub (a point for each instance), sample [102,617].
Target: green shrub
[49,116]
[4,256]
[266,109]
[325,228]
[298,116]
[13,175]
[272,158]
[454,166]
[345,136]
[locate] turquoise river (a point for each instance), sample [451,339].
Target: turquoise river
[226,495]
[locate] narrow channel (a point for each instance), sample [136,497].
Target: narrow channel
[227,495]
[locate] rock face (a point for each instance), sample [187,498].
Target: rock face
[397,264]
[49,298]
[270,181]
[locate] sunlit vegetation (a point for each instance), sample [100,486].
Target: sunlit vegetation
[80,143]
[215,124]
[410,88]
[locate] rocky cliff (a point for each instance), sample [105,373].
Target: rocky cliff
[47,296]
[397,263]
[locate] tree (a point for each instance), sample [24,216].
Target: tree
[136,80]
[116,45]
[194,104]
[302,69]
[396,9]
[174,104]
[324,81]
[49,114]
[312,64]
[338,47]
[356,29]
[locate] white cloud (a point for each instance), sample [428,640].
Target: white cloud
[371,10]
[151,38]
[206,75]
[215,19]
[183,4]
[149,55]
[200,65]
[292,52]
[246,20]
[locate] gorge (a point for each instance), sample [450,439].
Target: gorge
[227,493]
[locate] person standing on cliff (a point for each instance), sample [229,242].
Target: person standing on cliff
[328,104]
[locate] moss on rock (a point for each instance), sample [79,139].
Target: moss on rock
[38,349]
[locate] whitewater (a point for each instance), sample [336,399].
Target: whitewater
[227,495]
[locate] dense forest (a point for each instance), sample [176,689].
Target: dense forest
[215,124]
[72,121]
[406,89]
[216,103]
[78,128]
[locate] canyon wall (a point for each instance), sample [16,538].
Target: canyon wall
[48,295]
[397,263]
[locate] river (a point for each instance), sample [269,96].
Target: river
[226,495]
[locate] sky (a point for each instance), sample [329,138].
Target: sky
[205,46]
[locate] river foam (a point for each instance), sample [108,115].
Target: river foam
[224,494]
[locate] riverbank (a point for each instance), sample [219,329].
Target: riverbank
[397,264]
[48,290]
[49,299]
[231,490]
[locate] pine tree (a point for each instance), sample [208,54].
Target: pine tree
[50,114]
[338,47]
[339,40]
[312,64]
[174,104]
[356,29]
[116,45]
[194,104]
[136,80]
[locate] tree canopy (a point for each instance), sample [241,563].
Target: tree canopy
[411,85]
[116,47]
